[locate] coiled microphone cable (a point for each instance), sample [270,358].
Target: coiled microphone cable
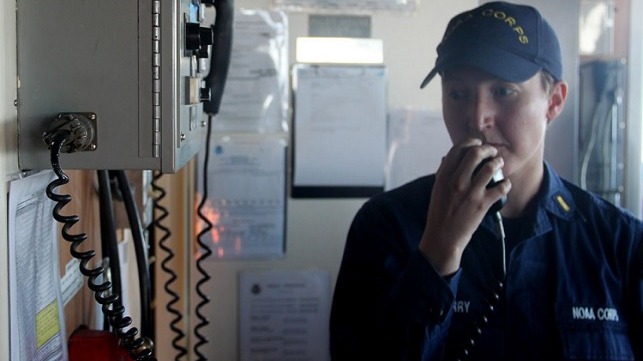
[138,347]
[467,346]
[492,300]
[160,213]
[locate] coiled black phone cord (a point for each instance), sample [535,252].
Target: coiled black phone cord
[206,252]
[139,348]
[160,213]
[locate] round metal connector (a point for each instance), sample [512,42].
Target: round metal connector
[81,130]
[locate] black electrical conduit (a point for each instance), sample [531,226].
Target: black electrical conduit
[136,226]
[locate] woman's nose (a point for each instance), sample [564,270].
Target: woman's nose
[482,113]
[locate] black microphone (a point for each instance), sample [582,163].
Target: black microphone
[498,177]
[495,208]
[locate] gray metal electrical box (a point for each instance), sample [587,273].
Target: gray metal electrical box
[137,67]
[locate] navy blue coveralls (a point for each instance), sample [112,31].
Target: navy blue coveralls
[573,290]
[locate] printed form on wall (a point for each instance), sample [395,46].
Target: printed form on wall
[35,299]
[284,315]
[255,99]
[246,196]
[339,127]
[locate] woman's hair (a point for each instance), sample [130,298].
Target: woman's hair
[547,80]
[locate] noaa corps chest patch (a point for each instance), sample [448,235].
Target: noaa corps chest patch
[607,314]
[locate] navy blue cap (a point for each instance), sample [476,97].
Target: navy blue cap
[512,42]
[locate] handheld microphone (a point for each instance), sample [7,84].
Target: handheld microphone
[495,208]
[497,178]
[497,288]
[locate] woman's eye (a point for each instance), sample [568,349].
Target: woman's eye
[457,94]
[504,91]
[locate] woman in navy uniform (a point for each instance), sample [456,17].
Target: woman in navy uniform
[432,272]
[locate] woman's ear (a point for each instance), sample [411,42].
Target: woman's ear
[557,98]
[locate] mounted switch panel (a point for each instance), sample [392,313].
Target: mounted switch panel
[138,67]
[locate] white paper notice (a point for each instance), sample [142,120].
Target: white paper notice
[35,301]
[340,125]
[284,315]
[417,142]
[246,196]
[256,91]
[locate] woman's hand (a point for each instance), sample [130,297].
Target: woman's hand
[459,201]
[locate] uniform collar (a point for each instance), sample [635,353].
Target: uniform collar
[553,199]
[554,196]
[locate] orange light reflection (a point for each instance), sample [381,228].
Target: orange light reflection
[213,216]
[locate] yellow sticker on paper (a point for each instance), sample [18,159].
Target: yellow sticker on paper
[47,324]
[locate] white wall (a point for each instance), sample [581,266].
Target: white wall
[8,154]
[316,229]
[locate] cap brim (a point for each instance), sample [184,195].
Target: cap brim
[498,62]
[428,78]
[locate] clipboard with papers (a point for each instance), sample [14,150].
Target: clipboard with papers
[339,130]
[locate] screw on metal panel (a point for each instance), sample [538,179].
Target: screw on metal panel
[203,123]
[183,136]
[15,102]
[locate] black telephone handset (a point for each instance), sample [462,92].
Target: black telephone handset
[220,57]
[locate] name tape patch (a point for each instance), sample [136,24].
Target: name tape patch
[599,314]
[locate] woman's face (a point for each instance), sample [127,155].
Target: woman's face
[512,117]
